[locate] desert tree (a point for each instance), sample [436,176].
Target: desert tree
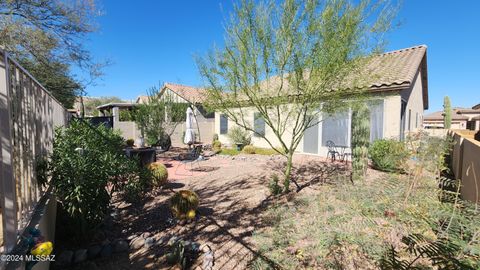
[447,113]
[158,118]
[47,38]
[292,62]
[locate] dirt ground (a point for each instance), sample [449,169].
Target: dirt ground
[233,194]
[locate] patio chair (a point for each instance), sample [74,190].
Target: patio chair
[332,151]
[163,145]
[192,158]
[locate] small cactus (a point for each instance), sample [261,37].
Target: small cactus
[184,204]
[159,173]
[447,113]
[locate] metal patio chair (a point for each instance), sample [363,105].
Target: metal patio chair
[192,158]
[332,151]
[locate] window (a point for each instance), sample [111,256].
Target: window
[416,120]
[409,119]
[376,120]
[223,124]
[258,125]
[336,128]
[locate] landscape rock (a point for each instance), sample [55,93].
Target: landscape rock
[149,242]
[173,240]
[137,243]
[107,251]
[208,261]
[93,251]
[146,234]
[80,256]
[131,237]
[120,246]
[65,258]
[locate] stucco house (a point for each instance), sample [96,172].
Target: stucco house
[179,94]
[397,100]
[462,118]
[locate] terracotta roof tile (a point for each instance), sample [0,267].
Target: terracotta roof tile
[396,68]
[189,93]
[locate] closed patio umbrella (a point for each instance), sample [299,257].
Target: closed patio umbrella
[189,131]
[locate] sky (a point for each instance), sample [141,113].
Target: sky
[152,42]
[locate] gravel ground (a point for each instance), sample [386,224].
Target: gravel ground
[233,194]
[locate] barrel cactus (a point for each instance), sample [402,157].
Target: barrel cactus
[159,173]
[183,204]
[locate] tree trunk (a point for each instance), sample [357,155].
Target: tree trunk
[288,172]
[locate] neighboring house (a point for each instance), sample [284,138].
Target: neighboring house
[462,118]
[178,93]
[397,101]
[195,96]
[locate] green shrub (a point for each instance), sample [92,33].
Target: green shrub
[249,149]
[274,187]
[388,155]
[84,161]
[238,135]
[183,204]
[216,145]
[215,137]
[159,173]
[130,142]
[229,151]
[41,171]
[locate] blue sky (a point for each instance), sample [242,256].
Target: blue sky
[151,42]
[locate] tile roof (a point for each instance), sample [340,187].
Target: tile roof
[439,116]
[142,99]
[189,93]
[396,68]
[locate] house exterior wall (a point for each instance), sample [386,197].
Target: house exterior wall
[257,141]
[414,110]
[391,118]
[392,104]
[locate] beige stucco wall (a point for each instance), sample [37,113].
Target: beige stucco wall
[414,98]
[391,116]
[257,141]
[466,165]
[470,178]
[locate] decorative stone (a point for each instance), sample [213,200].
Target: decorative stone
[120,246]
[149,242]
[106,251]
[205,248]
[173,240]
[131,237]
[93,251]
[80,256]
[137,243]
[146,234]
[208,261]
[65,258]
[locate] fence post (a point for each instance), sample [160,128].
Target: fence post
[8,198]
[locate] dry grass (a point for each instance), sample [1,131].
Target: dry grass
[347,226]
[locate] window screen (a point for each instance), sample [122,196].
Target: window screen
[258,124]
[223,124]
[336,128]
[376,120]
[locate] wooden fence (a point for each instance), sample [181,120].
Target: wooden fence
[28,116]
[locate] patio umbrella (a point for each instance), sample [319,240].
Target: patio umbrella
[189,131]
